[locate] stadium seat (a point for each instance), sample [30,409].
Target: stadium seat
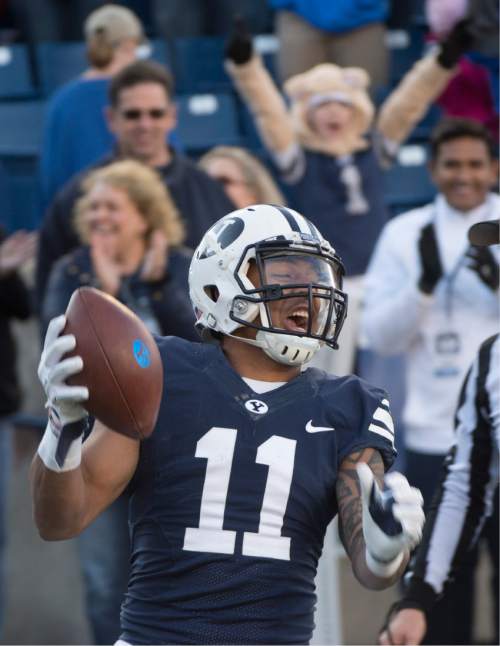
[267,45]
[407,183]
[157,50]
[20,139]
[59,63]
[250,136]
[423,129]
[21,128]
[198,65]
[6,211]
[15,73]
[405,48]
[23,193]
[207,120]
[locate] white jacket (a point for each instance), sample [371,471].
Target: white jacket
[398,318]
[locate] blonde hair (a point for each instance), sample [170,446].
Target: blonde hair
[106,28]
[146,191]
[254,172]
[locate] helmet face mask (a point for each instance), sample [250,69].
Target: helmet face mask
[268,269]
[305,284]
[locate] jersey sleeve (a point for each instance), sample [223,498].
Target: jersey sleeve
[366,420]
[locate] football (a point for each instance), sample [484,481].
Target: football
[122,367]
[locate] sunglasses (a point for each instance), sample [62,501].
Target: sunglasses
[134,114]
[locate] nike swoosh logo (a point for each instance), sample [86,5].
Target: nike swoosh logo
[317,429]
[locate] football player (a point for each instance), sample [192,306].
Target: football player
[251,457]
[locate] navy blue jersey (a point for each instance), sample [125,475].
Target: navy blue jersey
[232,497]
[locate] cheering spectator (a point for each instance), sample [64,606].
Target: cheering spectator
[130,233]
[112,35]
[245,179]
[325,149]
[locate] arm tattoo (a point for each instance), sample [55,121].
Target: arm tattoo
[349,499]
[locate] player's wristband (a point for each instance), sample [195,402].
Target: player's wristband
[61,449]
[383,569]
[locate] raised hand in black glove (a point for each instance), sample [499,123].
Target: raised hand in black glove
[483,262]
[456,43]
[430,260]
[238,48]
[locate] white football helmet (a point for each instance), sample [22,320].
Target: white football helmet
[268,262]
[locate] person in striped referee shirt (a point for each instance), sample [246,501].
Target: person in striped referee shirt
[464,498]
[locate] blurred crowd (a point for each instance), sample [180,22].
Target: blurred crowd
[123,205]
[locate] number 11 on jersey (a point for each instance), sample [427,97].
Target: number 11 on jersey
[278,453]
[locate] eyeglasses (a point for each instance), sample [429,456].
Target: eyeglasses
[134,115]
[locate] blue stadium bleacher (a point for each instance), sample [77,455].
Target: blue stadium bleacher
[210,113]
[405,47]
[207,120]
[24,194]
[6,212]
[59,63]
[423,129]
[20,140]
[198,65]
[267,45]
[408,183]
[21,128]
[15,73]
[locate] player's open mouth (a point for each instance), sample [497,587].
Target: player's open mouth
[297,321]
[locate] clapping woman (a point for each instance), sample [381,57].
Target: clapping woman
[131,238]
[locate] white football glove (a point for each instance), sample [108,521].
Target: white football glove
[392,519]
[60,448]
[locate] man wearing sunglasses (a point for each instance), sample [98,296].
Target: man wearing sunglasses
[141,115]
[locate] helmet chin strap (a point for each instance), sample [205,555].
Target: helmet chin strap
[287,349]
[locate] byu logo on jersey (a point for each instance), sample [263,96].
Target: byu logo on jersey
[256,406]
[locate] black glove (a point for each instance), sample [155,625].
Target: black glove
[238,48]
[456,43]
[429,257]
[483,262]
